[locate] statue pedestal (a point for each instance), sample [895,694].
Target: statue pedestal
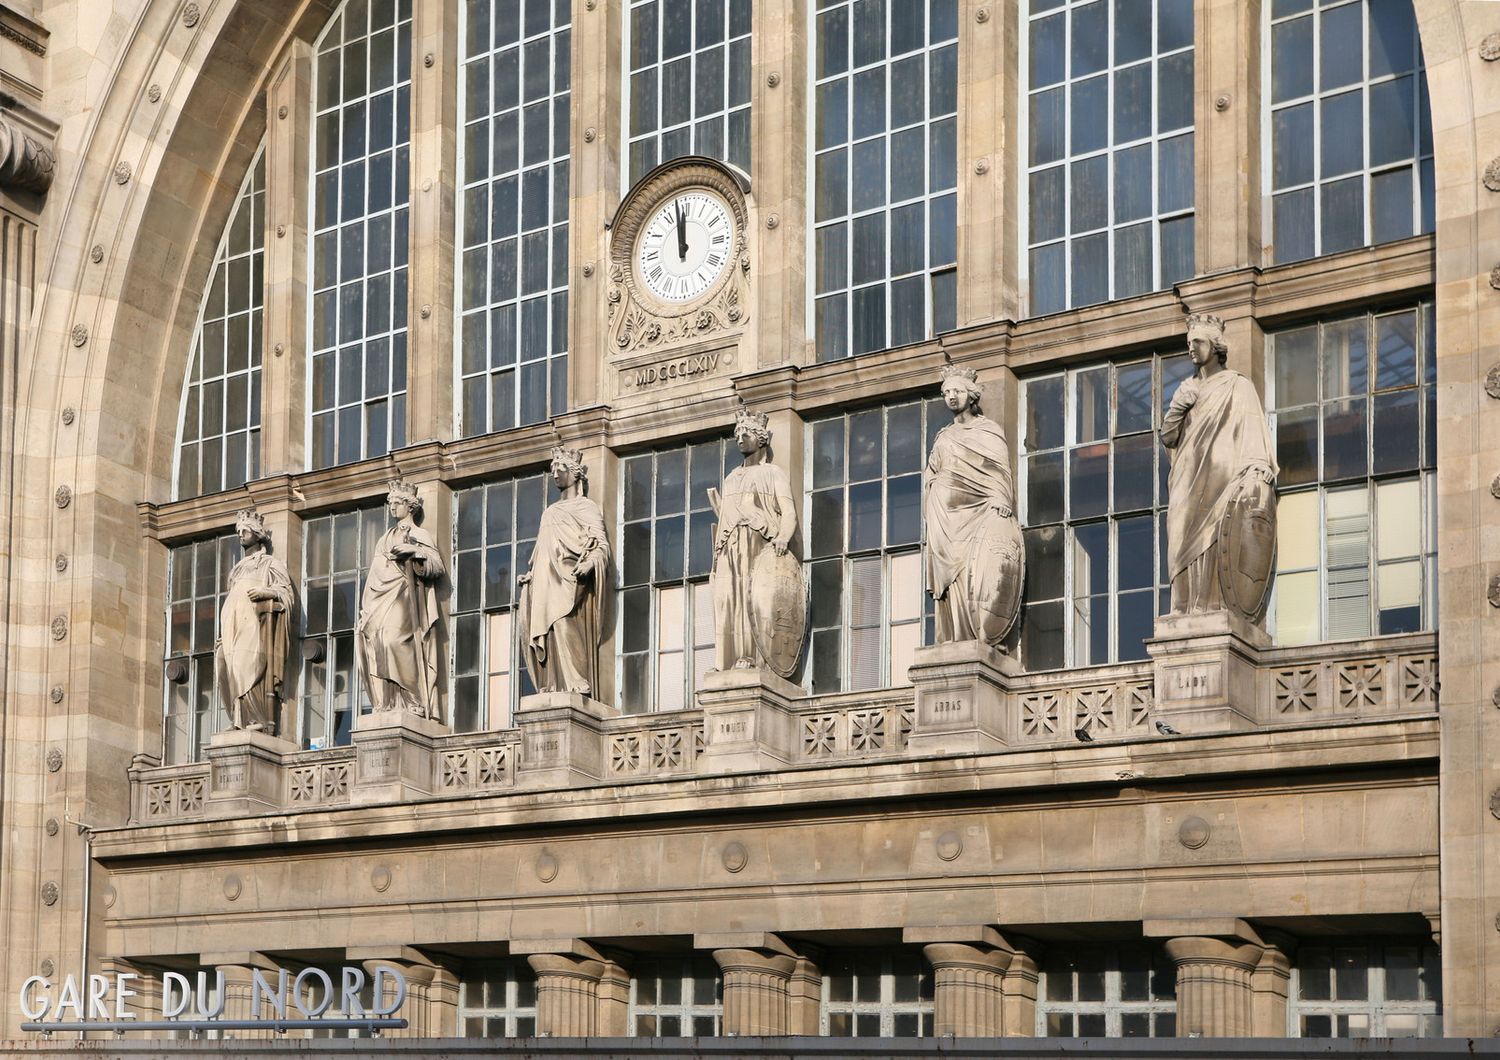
[1205,671]
[960,689]
[245,771]
[393,756]
[561,739]
[748,723]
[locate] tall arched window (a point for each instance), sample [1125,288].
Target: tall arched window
[361,171]
[1350,153]
[218,437]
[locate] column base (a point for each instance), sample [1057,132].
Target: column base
[748,723]
[245,771]
[393,756]
[561,739]
[961,698]
[1205,671]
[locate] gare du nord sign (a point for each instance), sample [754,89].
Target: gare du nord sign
[310,1000]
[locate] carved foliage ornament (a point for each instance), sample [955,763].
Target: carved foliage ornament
[1492,175]
[639,321]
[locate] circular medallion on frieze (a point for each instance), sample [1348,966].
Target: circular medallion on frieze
[380,878]
[110,896]
[949,846]
[79,334]
[232,887]
[47,968]
[547,866]
[735,856]
[1193,832]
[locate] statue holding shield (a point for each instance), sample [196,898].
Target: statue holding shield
[1221,493]
[396,636]
[975,557]
[760,599]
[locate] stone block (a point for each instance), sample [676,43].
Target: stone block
[393,756]
[961,698]
[245,772]
[561,739]
[748,722]
[1205,667]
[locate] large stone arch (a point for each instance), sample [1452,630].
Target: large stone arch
[147,170]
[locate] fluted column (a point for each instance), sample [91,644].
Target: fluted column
[567,994]
[238,973]
[755,991]
[1213,985]
[431,1005]
[969,997]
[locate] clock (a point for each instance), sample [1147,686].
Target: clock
[679,258]
[685,246]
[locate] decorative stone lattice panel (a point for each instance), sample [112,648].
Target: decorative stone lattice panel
[476,768]
[655,750]
[855,732]
[318,783]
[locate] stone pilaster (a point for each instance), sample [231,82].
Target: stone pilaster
[961,698]
[434,195]
[1227,133]
[613,1019]
[991,112]
[779,92]
[1205,667]
[755,991]
[1019,986]
[289,95]
[804,998]
[1270,985]
[968,991]
[567,994]
[1214,996]
[596,146]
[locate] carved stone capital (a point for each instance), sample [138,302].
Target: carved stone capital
[26,161]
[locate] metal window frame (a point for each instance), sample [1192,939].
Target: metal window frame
[723,112]
[253,183]
[1375,1005]
[552,226]
[1112,1008]
[886,551]
[652,651]
[848,288]
[1419,163]
[685,1010]
[1155,513]
[1424,474]
[197,741]
[396,389]
[510,1010]
[1155,218]
[887,1008]
[486,713]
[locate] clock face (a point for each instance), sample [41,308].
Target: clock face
[685,246]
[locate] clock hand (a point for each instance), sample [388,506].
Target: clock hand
[681,235]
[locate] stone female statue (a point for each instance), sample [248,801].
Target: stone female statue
[563,594]
[759,599]
[1221,494]
[975,558]
[254,630]
[396,636]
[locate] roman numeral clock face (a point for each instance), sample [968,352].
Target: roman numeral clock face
[685,246]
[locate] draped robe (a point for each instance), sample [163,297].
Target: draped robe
[968,476]
[560,612]
[756,508]
[250,656]
[1214,443]
[396,637]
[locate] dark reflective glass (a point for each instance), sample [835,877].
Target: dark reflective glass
[1133,472]
[1088,480]
[670,550]
[826,535]
[865,520]
[1042,636]
[1044,414]
[1396,432]
[638,487]
[1044,488]
[1345,439]
[826,606]
[1297,446]
[865,438]
[1044,562]
[903,510]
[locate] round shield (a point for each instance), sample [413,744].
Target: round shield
[1247,548]
[996,571]
[778,609]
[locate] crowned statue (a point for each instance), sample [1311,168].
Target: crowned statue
[254,631]
[564,592]
[1221,493]
[760,601]
[396,639]
[976,561]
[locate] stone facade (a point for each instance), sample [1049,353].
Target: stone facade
[980,821]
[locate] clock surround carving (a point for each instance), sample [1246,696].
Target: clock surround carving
[639,321]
